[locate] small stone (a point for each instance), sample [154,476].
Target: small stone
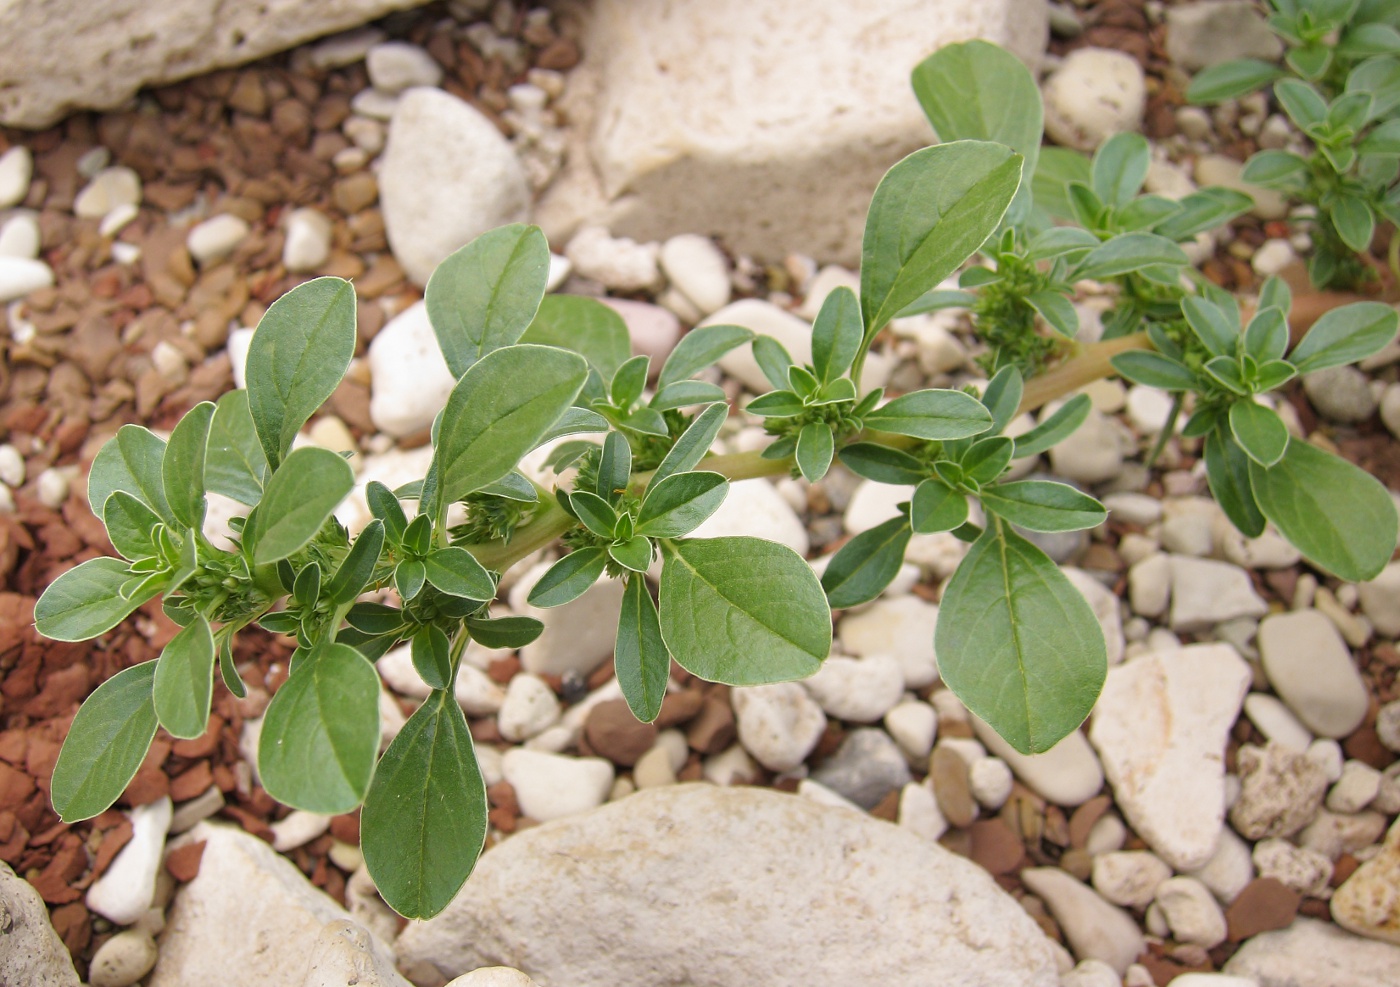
[20,237]
[755,508]
[551,786]
[1276,721]
[913,725]
[1191,912]
[1368,902]
[865,768]
[308,243]
[1091,973]
[1305,871]
[1200,35]
[1094,928]
[1310,667]
[1188,534]
[497,976]
[919,812]
[21,275]
[1219,169]
[52,485]
[1380,597]
[859,690]
[778,724]
[346,48]
[653,769]
[11,466]
[1229,869]
[214,239]
[110,189]
[1342,394]
[530,707]
[298,829]
[1281,791]
[1327,754]
[1206,592]
[397,65]
[615,733]
[1272,257]
[1068,774]
[1093,453]
[1312,953]
[578,636]
[1355,789]
[1333,834]
[698,269]
[122,960]
[949,774]
[618,263]
[1095,93]
[1388,726]
[125,890]
[901,627]
[1150,585]
[1262,906]
[732,766]
[16,169]
[990,780]
[1129,877]
[653,330]
[410,381]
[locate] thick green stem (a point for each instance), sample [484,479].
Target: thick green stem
[1090,363]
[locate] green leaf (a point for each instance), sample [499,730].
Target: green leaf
[1088,209]
[1044,506]
[1146,212]
[685,393]
[86,601]
[1355,222]
[297,357]
[1057,310]
[680,503]
[105,745]
[1259,432]
[635,553]
[1003,396]
[1345,335]
[866,564]
[1017,642]
[235,464]
[836,335]
[584,325]
[1217,328]
[1154,370]
[320,734]
[497,413]
[1061,241]
[184,681]
[1226,371]
[233,682]
[1120,167]
[129,461]
[932,414]
[1303,104]
[409,577]
[987,459]
[1230,80]
[301,495]
[742,611]
[596,513]
[1054,428]
[1126,254]
[432,656]
[130,525]
[504,632]
[641,661]
[574,421]
[815,447]
[1227,472]
[1339,516]
[776,404]
[629,381]
[182,466]
[485,295]
[568,578]
[1275,168]
[932,301]
[1056,169]
[1202,210]
[1266,338]
[980,91]
[1385,139]
[386,507]
[698,349]
[357,568]
[1380,77]
[881,463]
[424,821]
[418,536]
[694,442]
[375,618]
[456,572]
[1310,61]
[614,468]
[930,212]
[936,506]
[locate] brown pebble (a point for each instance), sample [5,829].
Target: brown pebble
[952,787]
[995,847]
[888,807]
[1081,823]
[1077,862]
[183,862]
[679,707]
[1265,904]
[561,55]
[355,192]
[713,729]
[614,733]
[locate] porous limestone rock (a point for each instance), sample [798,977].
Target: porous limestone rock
[804,894]
[30,951]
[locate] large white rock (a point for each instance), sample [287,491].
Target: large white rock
[447,176]
[130,44]
[249,912]
[1310,953]
[696,884]
[33,955]
[1310,667]
[409,379]
[782,147]
[1160,727]
[1095,929]
[344,954]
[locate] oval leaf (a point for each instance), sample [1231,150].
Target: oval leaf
[932,414]
[568,578]
[680,503]
[321,732]
[585,325]
[106,744]
[299,498]
[1259,432]
[424,820]
[182,466]
[129,461]
[86,601]
[641,661]
[742,611]
[936,506]
[432,656]
[235,464]
[184,682]
[694,442]
[1345,335]
[698,349]
[866,564]
[130,525]
[457,572]
[1044,506]
[1017,642]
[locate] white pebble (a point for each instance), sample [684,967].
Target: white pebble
[308,243]
[859,690]
[530,707]
[21,275]
[11,466]
[913,725]
[117,219]
[1355,789]
[990,779]
[653,769]
[919,812]
[1272,257]
[549,786]
[16,169]
[396,65]
[127,888]
[778,724]
[122,960]
[698,269]
[109,188]
[53,486]
[618,263]
[1129,877]
[1327,754]
[298,829]
[1191,912]
[214,239]
[19,237]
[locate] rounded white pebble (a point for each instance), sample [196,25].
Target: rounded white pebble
[215,238]
[11,466]
[530,707]
[990,780]
[53,486]
[122,960]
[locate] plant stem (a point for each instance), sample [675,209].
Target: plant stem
[1090,363]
